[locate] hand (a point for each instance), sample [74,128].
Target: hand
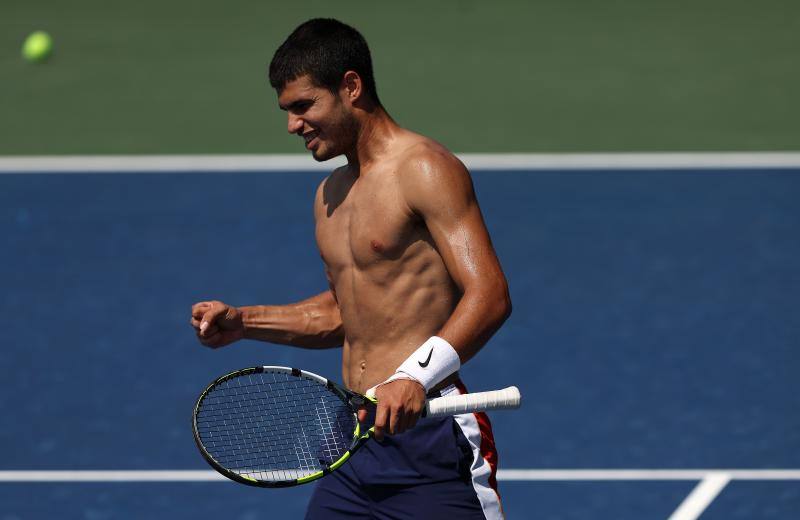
[216,323]
[400,403]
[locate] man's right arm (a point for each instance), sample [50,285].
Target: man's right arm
[312,323]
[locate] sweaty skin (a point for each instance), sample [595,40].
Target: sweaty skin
[384,236]
[406,253]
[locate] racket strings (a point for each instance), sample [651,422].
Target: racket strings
[274,426]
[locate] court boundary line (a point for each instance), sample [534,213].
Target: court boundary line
[110,164]
[701,497]
[711,481]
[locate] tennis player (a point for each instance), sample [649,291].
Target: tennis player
[415,288]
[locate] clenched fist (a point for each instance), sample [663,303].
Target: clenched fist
[217,324]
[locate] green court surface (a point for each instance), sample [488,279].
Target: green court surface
[554,75]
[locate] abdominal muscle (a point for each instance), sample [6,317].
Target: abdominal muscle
[389,308]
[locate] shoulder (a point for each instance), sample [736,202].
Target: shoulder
[429,170]
[328,186]
[424,157]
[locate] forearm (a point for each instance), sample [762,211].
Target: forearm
[311,323]
[478,315]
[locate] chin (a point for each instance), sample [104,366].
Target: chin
[323,155]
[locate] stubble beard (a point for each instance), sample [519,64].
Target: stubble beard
[343,135]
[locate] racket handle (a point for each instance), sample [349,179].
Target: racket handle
[505,399]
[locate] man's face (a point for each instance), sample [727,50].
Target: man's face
[318,116]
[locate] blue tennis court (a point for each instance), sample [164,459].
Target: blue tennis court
[655,327]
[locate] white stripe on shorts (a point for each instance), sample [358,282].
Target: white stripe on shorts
[490,502]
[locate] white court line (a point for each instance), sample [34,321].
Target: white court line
[643,474]
[585,475]
[163,163]
[701,497]
[110,476]
[303,162]
[618,161]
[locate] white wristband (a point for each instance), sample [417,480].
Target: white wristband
[430,364]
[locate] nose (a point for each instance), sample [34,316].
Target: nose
[295,124]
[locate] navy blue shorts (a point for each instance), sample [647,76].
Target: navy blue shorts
[441,468]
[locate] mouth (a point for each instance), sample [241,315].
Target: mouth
[309,138]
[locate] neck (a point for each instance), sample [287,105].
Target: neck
[376,130]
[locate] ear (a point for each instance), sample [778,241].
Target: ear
[352,86]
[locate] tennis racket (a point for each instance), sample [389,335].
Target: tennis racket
[278,426]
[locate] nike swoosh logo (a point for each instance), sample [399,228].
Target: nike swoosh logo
[423,365]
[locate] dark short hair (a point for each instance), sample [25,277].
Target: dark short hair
[324,49]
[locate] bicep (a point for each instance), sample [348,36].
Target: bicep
[444,197]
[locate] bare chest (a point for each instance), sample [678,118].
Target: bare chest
[371,225]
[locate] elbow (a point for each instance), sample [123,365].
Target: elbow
[504,306]
[508,308]
[497,304]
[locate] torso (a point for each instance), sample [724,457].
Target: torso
[391,284]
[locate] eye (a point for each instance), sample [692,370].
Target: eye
[301,106]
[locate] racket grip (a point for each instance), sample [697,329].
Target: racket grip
[505,399]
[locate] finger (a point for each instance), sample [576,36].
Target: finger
[209,331]
[210,316]
[195,322]
[395,421]
[409,420]
[198,309]
[412,419]
[402,422]
[362,414]
[380,421]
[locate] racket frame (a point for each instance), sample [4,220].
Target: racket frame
[352,399]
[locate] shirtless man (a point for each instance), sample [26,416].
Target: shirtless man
[415,288]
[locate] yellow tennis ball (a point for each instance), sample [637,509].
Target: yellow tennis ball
[37,47]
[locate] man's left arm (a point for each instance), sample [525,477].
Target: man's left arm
[438,189]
